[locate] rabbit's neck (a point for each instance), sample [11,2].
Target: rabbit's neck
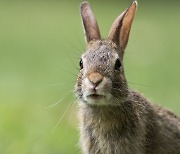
[112,129]
[109,118]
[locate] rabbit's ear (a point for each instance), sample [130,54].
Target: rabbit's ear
[89,22]
[120,29]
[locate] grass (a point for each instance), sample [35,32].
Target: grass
[40,46]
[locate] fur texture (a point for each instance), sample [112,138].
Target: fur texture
[115,119]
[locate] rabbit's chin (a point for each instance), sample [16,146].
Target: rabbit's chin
[96,99]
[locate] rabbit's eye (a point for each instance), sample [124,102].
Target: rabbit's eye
[117,64]
[81,64]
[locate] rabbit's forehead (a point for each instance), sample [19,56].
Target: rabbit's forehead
[100,59]
[102,54]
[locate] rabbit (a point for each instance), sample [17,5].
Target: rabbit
[115,119]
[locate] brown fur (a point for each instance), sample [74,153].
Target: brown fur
[115,119]
[135,127]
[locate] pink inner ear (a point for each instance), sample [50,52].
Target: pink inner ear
[126,25]
[115,29]
[120,29]
[89,22]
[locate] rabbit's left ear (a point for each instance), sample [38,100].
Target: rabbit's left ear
[119,32]
[89,22]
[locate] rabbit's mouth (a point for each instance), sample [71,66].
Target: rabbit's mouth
[96,99]
[93,93]
[96,96]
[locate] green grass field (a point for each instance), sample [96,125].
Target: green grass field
[40,46]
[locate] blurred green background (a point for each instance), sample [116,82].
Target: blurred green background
[40,46]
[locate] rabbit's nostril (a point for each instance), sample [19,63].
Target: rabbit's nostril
[95,78]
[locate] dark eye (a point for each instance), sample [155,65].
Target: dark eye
[81,64]
[117,64]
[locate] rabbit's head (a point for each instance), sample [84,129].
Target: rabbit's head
[101,80]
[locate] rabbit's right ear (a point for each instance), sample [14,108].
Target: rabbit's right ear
[89,22]
[119,32]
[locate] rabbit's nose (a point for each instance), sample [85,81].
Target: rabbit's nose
[95,78]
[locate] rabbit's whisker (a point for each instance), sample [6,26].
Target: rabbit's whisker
[71,113]
[79,40]
[61,99]
[71,60]
[59,84]
[137,84]
[70,104]
[67,71]
[72,44]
